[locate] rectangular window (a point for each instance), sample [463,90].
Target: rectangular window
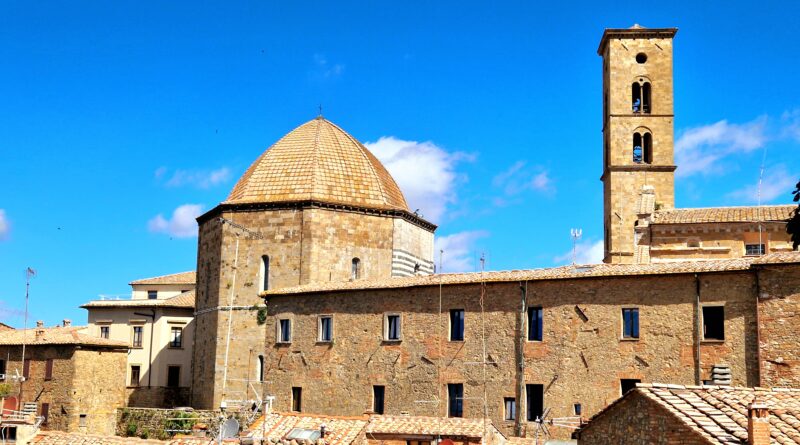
[297,399]
[26,368]
[630,323]
[455,400]
[378,393]
[325,328]
[755,249]
[456,324]
[2,370]
[104,330]
[173,376]
[152,294]
[284,330]
[626,385]
[392,327]
[44,412]
[176,337]
[578,409]
[534,395]
[713,322]
[535,323]
[135,374]
[137,337]
[48,369]
[82,421]
[510,404]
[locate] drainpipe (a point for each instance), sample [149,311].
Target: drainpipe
[518,421]
[150,359]
[758,325]
[698,329]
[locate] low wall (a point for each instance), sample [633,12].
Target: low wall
[154,423]
[158,397]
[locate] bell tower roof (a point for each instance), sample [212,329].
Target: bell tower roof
[634,32]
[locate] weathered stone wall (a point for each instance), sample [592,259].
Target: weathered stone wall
[779,315]
[712,241]
[580,360]
[158,397]
[638,421]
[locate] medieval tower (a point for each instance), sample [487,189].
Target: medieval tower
[638,143]
[315,207]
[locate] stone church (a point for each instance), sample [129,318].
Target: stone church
[316,285]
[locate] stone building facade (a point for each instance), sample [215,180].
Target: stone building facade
[695,322]
[317,206]
[157,323]
[73,380]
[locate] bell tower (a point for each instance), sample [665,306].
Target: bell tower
[638,149]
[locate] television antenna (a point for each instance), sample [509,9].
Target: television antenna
[576,235]
[545,421]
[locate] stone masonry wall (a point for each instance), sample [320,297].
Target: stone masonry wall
[638,421]
[713,241]
[779,314]
[581,359]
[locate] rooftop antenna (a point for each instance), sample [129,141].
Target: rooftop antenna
[576,235]
[441,255]
[760,181]
[320,111]
[29,273]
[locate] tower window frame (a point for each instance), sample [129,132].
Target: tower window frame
[641,96]
[642,146]
[264,273]
[355,268]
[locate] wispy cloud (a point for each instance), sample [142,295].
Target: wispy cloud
[790,120]
[197,178]
[520,178]
[586,252]
[325,69]
[425,172]
[5,225]
[8,313]
[182,224]
[699,149]
[778,183]
[459,250]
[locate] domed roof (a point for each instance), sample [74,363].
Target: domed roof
[318,161]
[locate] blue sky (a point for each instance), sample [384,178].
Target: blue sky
[121,120]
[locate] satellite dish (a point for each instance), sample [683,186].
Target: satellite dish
[230,429]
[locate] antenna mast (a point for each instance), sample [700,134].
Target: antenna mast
[576,235]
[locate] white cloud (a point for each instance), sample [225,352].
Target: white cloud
[459,250]
[325,69]
[586,252]
[778,182]
[699,149]
[5,225]
[519,178]
[181,225]
[198,178]
[424,171]
[791,124]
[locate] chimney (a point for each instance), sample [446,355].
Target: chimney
[39,324]
[758,423]
[67,322]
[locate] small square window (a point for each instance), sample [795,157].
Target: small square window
[713,323]
[152,294]
[325,328]
[630,323]
[755,249]
[104,330]
[392,329]
[457,325]
[284,330]
[510,404]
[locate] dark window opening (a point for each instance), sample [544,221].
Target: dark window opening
[510,404]
[630,323]
[455,400]
[637,148]
[285,328]
[578,409]
[355,272]
[535,324]
[534,396]
[456,324]
[44,412]
[714,323]
[392,327]
[325,329]
[104,331]
[173,376]
[2,369]
[152,294]
[648,148]
[8,433]
[641,58]
[646,97]
[48,369]
[297,399]
[636,97]
[265,272]
[260,373]
[135,375]
[755,249]
[26,368]
[626,385]
[378,393]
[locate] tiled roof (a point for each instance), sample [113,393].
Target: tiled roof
[444,426]
[723,214]
[175,278]
[319,161]
[339,430]
[719,413]
[183,300]
[62,438]
[553,273]
[70,335]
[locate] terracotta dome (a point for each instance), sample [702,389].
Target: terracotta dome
[319,161]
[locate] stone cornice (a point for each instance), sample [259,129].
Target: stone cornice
[634,33]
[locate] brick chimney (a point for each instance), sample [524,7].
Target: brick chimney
[758,423]
[67,322]
[39,324]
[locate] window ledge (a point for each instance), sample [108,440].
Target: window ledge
[385,341]
[626,339]
[712,341]
[324,342]
[283,343]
